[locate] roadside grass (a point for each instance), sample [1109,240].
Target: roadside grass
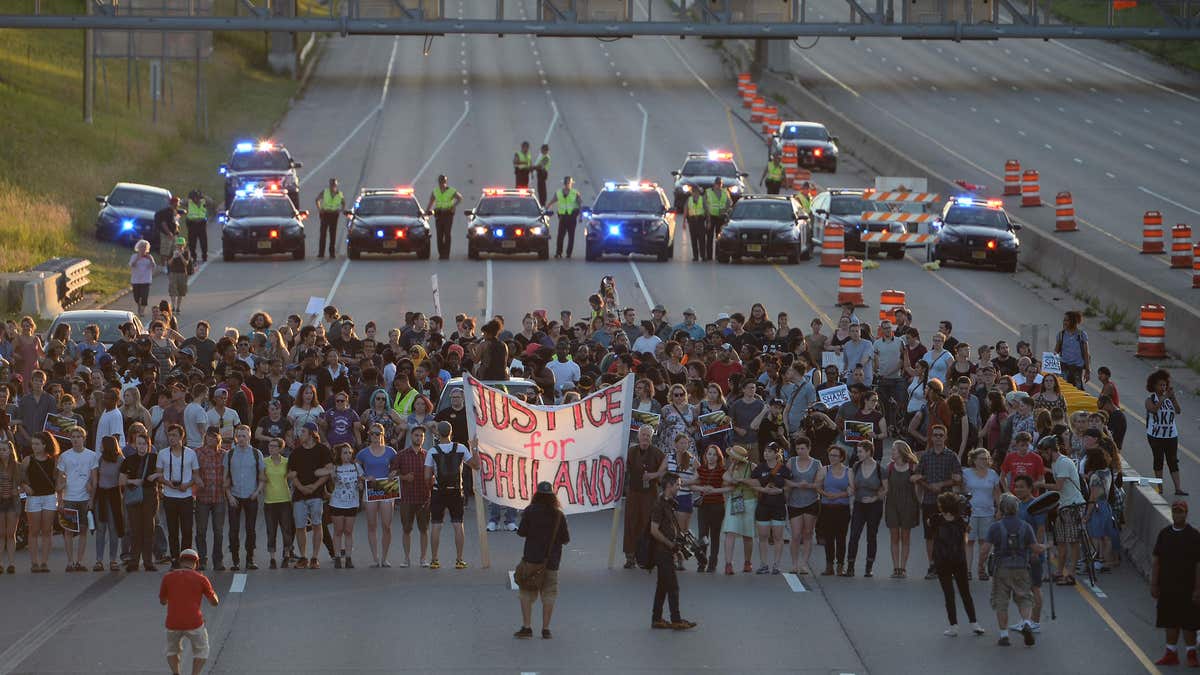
[52,165]
[1185,53]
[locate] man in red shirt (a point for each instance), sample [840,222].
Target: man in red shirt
[1022,461]
[724,367]
[181,591]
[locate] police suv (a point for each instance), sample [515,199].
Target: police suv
[265,165]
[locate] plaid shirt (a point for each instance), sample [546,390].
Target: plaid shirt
[412,461]
[936,467]
[212,473]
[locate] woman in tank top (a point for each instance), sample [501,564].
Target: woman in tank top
[1161,431]
[902,510]
[40,474]
[803,502]
[869,493]
[836,491]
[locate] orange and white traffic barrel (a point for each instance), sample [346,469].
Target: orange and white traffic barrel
[1152,232]
[1195,265]
[1152,332]
[889,301]
[1012,178]
[749,92]
[1064,213]
[850,282]
[1181,246]
[1031,192]
[757,109]
[743,79]
[833,245]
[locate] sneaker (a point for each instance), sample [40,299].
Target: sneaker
[977,629]
[952,631]
[251,565]
[1004,642]
[1037,627]
[630,563]
[546,634]
[491,527]
[235,566]
[512,527]
[524,634]
[434,564]
[1192,661]
[1169,659]
[460,564]
[1027,633]
[763,570]
[660,624]
[930,574]
[775,570]
[423,563]
[683,624]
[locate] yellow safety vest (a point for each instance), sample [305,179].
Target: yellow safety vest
[404,404]
[805,202]
[695,206]
[543,162]
[196,210]
[332,202]
[774,171]
[522,160]
[444,200]
[567,203]
[717,201]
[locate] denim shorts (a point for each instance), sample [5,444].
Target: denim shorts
[308,512]
[37,503]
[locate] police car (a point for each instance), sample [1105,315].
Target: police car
[845,208]
[265,165]
[815,148]
[976,231]
[262,222]
[766,226]
[701,169]
[507,220]
[127,213]
[387,221]
[630,218]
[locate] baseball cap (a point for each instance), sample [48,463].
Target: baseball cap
[723,316]
[457,349]
[188,351]
[1177,505]
[690,311]
[659,308]
[189,553]
[726,347]
[311,426]
[545,488]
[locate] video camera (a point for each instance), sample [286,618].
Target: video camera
[691,548]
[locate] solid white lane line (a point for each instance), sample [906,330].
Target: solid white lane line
[1169,200]
[487,292]
[1126,73]
[553,121]
[642,145]
[446,139]
[337,282]
[512,580]
[794,583]
[826,73]
[387,80]
[642,285]
[238,584]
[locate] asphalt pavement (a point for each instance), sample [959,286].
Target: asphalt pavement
[378,112]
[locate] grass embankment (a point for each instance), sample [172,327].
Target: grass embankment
[52,165]
[1184,53]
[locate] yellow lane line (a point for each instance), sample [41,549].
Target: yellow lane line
[804,296]
[1116,628]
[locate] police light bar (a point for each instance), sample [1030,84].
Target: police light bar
[719,155]
[964,201]
[994,203]
[404,191]
[610,185]
[243,147]
[265,145]
[492,192]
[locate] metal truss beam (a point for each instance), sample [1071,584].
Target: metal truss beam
[766,31]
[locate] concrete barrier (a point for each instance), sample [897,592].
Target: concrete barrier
[32,293]
[1146,514]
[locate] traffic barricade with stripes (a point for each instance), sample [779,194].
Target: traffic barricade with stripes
[1031,192]
[1152,332]
[833,244]
[1152,233]
[889,301]
[1181,246]
[1012,178]
[1064,213]
[850,282]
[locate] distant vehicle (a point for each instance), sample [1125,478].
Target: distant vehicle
[507,220]
[845,208]
[976,231]
[109,321]
[387,221]
[766,226]
[701,169]
[265,165]
[515,386]
[630,218]
[262,223]
[127,213]
[815,148]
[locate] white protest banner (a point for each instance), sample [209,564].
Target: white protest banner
[579,448]
[1051,363]
[835,396]
[315,306]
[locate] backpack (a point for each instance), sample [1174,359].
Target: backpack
[445,479]
[1011,547]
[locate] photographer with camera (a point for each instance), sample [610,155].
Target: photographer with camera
[664,531]
[1013,541]
[950,560]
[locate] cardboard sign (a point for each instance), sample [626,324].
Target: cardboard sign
[315,306]
[715,422]
[833,397]
[1051,363]
[641,418]
[382,490]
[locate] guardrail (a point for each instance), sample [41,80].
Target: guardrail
[75,274]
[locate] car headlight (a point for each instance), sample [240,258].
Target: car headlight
[685,189]
[734,190]
[1011,243]
[789,234]
[536,230]
[480,230]
[728,233]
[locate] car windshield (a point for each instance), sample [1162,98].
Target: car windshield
[388,206]
[278,207]
[525,207]
[629,201]
[266,160]
[519,389]
[849,204]
[110,327]
[138,199]
[980,217]
[755,209]
[807,133]
[706,167]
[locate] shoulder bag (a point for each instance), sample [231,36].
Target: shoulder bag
[532,576]
[134,494]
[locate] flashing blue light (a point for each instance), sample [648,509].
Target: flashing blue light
[126,225]
[614,230]
[244,147]
[964,201]
[792,129]
[610,185]
[499,232]
[379,234]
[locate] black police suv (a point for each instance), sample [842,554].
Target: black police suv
[127,213]
[263,165]
[845,208]
[262,223]
[630,218]
[766,226]
[700,169]
[387,221]
[978,232]
[507,220]
[815,148]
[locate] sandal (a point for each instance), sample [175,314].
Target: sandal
[113,566]
[98,567]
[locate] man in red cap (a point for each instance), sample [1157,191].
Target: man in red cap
[1173,584]
[181,591]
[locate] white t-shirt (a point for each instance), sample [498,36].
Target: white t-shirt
[195,423]
[981,490]
[345,486]
[77,467]
[1070,495]
[111,423]
[646,344]
[447,448]
[566,373]
[179,469]
[225,422]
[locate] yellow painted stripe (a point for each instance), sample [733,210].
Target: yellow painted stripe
[737,151]
[804,296]
[1120,632]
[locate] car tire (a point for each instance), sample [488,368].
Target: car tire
[664,254]
[590,254]
[722,258]
[896,254]
[353,253]
[544,252]
[794,257]
[472,253]
[227,253]
[1010,268]
[425,252]
[298,254]
[832,167]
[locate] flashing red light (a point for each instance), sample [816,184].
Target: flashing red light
[274,234]
[818,152]
[994,203]
[719,155]
[404,190]
[523,192]
[519,231]
[491,192]
[991,244]
[399,234]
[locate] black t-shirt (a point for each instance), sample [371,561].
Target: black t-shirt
[762,473]
[1006,366]
[1178,552]
[133,465]
[458,422]
[166,219]
[305,462]
[537,525]
[275,429]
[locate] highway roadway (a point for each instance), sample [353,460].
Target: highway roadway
[378,113]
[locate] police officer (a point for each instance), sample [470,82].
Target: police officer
[166,228]
[694,211]
[330,203]
[717,202]
[773,174]
[442,201]
[522,164]
[542,167]
[568,200]
[197,224]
